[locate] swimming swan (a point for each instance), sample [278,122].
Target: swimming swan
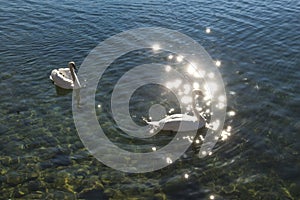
[182,122]
[66,77]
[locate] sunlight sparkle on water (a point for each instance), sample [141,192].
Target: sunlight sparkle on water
[225,135]
[189,108]
[199,109]
[211,197]
[211,75]
[199,74]
[207,30]
[220,105]
[231,113]
[211,86]
[153,148]
[191,69]
[208,103]
[189,138]
[174,84]
[170,57]
[169,160]
[169,85]
[186,176]
[232,92]
[207,96]
[168,68]
[156,47]
[218,63]
[177,83]
[222,98]
[196,85]
[228,128]
[171,110]
[201,137]
[179,58]
[215,125]
[180,93]
[186,88]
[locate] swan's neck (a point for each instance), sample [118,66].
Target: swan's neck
[195,111]
[72,74]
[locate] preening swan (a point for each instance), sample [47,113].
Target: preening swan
[66,77]
[182,122]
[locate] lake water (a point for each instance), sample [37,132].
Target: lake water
[258,44]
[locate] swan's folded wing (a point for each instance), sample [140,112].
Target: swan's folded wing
[61,80]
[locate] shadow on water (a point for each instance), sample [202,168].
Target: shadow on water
[62,92]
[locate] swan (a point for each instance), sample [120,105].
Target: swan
[181,122]
[66,77]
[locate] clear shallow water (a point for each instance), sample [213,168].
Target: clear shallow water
[258,44]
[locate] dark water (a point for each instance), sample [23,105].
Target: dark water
[258,43]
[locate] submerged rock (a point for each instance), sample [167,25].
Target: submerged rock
[35,185]
[14,178]
[93,194]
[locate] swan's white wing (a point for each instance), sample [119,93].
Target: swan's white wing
[60,79]
[65,72]
[53,73]
[179,122]
[173,117]
[179,118]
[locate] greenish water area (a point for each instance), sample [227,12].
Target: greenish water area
[42,155]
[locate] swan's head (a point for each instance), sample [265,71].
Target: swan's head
[72,65]
[198,92]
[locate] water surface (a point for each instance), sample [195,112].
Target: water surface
[258,44]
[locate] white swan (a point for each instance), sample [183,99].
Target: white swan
[66,77]
[182,122]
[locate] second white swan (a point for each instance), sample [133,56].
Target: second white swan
[182,122]
[66,77]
